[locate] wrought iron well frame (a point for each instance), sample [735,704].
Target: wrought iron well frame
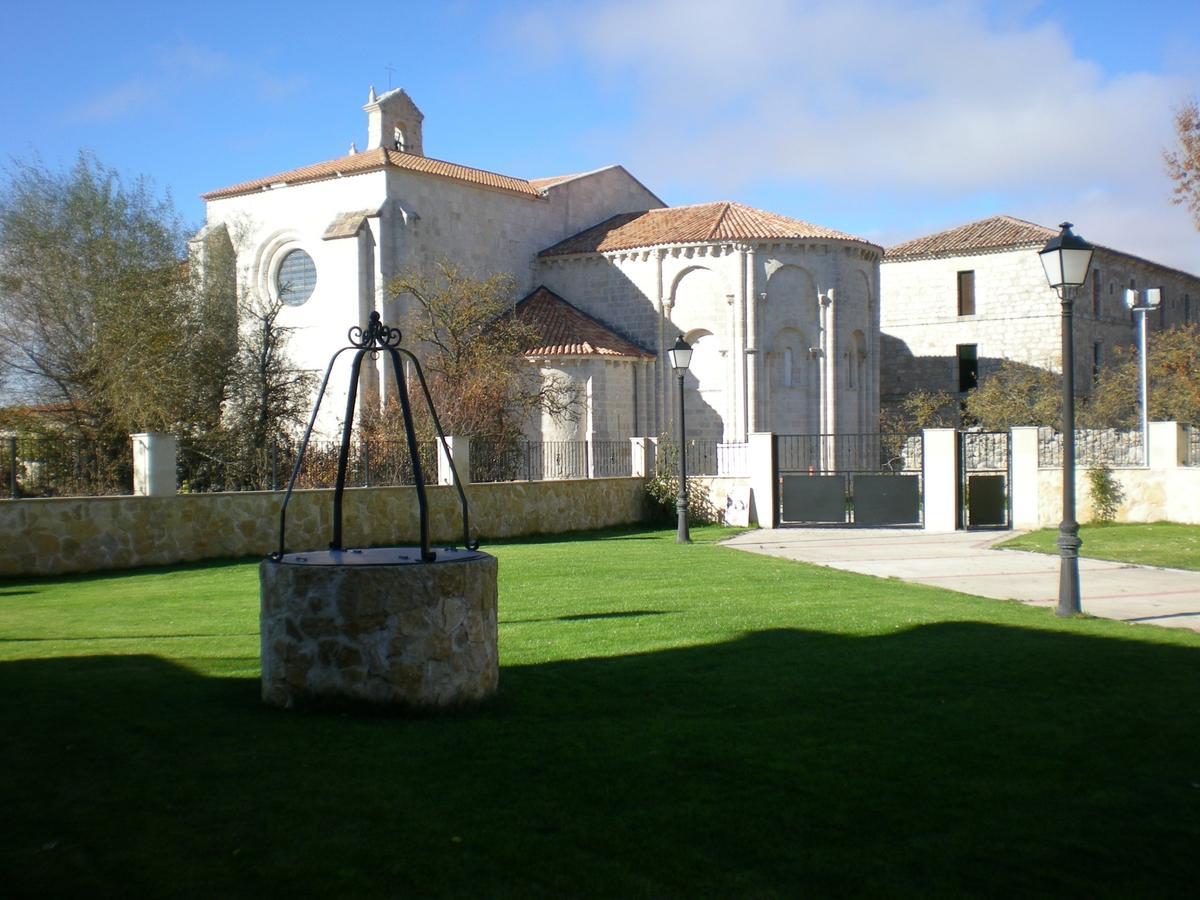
[377,338]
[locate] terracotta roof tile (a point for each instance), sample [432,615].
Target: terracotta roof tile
[691,224]
[566,331]
[347,224]
[374,160]
[998,232]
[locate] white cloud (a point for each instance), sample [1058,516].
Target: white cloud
[117,102]
[179,69]
[930,99]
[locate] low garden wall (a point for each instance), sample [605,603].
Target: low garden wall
[1148,495]
[85,534]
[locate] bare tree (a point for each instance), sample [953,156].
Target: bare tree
[1183,162]
[471,349]
[269,395]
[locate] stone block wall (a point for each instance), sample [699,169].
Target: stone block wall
[1017,315]
[86,534]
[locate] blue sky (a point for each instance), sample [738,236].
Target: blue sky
[883,119]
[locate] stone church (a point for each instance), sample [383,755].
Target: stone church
[783,315]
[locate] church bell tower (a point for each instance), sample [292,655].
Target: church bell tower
[394,122]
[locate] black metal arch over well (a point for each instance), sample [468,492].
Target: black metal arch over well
[374,339]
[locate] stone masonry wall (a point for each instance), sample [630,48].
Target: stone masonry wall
[1017,315]
[85,534]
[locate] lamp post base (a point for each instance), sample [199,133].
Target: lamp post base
[682,535]
[1068,575]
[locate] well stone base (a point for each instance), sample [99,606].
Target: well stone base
[416,634]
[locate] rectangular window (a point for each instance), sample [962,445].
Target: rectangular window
[1187,308]
[966,293]
[1096,294]
[968,367]
[1097,360]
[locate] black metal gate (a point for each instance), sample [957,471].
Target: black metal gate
[868,480]
[984,467]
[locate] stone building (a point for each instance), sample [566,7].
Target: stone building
[783,314]
[957,303]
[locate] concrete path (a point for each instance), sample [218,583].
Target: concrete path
[965,561]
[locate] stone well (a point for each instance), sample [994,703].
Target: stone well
[379,626]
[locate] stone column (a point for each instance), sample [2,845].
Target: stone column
[460,453]
[940,477]
[753,404]
[154,460]
[1023,478]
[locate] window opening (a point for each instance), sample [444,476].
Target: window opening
[966,293]
[968,367]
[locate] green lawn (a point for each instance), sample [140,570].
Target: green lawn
[1156,544]
[673,721]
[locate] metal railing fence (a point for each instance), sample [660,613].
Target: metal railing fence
[523,460]
[56,466]
[209,465]
[819,453]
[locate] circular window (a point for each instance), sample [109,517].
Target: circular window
[296,278]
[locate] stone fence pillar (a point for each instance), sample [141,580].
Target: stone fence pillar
[940,476]
[1023,468]
[1168,445]
[642,460]
[764,496]
[154,460]
[460,452]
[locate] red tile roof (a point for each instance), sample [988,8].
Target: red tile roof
[373,161]
[705,222]
[564,330]
[996,233]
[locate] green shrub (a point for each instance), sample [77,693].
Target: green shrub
[1107,494]
[662,491]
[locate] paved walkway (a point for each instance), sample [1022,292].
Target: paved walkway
[965,561]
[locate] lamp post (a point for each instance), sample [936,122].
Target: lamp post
[681,358]
[1153,296]
[1067,258]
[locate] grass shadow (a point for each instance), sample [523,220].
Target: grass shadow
[952,758]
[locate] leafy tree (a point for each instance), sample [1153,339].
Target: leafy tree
[920,409]
[1183,163]
[1016,394]
[100,316]
[1172,376]
[470,346]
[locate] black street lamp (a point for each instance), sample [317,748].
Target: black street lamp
[1067,259]
[681,358]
